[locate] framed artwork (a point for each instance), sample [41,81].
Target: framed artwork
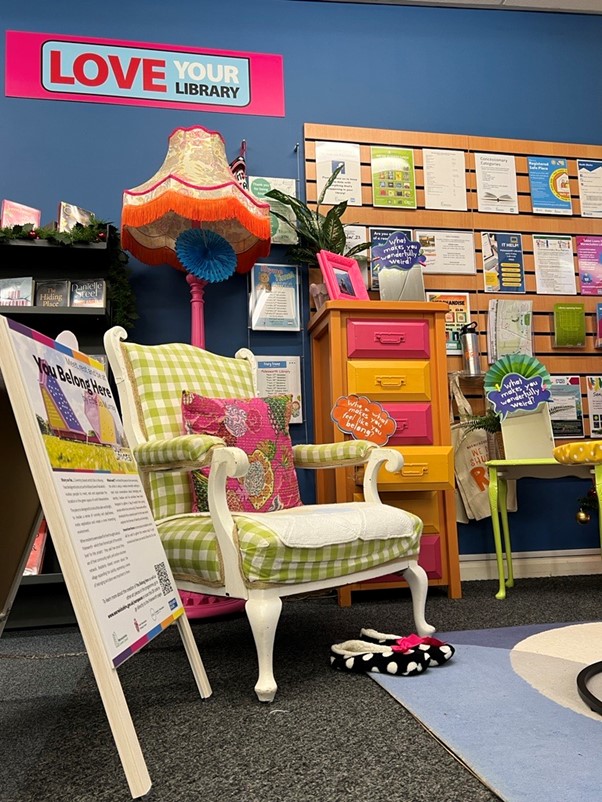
[343,277]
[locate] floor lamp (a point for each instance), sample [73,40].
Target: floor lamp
[194,216]
[189,211]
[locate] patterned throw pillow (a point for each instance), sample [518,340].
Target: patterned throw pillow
[258,426]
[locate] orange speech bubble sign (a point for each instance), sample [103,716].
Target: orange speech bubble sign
[363,419]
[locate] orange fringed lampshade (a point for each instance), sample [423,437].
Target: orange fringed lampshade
[193,188]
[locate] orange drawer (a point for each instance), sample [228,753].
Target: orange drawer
[423,504]
[388,339]
[424,466]
[388,381]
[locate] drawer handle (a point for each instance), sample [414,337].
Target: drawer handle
[402,424]
[415,469]
[389,338]
[390,381]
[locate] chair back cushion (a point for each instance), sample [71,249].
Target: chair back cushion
[158,375]
[258,426]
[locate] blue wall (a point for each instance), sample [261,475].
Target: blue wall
[507,74]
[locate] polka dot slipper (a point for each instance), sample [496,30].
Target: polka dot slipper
[438,652]
[362,657]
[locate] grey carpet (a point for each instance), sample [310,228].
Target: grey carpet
[328,736]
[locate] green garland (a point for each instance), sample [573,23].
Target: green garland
[120,293]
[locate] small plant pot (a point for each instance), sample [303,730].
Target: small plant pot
[495,441]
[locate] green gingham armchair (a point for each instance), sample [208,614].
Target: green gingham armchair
[238,554]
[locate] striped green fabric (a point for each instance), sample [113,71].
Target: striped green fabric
[186,448]
[191,547]
[349,451]
[159,374]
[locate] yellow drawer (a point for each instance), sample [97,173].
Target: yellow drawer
[385,380]
[423,504]
[424,466]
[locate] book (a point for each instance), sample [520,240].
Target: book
[36,556]
[52,292]
[70,215]
[89,292]
[17,214]
[16,291]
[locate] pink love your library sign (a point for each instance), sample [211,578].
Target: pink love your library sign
[58,67]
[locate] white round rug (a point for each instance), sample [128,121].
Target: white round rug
[550,662]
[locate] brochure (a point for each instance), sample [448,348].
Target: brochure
[589,260]
[589,172]
[554,265]
[348,184]
[274,300]
[509,328]
[566,407]
[444,179]
[458,316]
[379,236]
[594,404]
[281,233]
[550,186]
[496,183]
[281,375]
[569,325]
[448,252]
[393,181]
[503,268]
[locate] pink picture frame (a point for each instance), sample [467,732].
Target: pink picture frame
[342,277]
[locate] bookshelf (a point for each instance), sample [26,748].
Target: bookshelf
[42,599]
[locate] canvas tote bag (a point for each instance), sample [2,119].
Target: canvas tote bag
[471,453]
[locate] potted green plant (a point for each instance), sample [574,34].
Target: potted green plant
[316,231]
[491,423]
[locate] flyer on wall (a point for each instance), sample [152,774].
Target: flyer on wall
[444,179]
[457,316]
[503,268]
[378,235]
[393,180]
[566,407]
[348,184]
[274,298]
[496,183]
[281,375]
[554,265]
[450,252]
[594,403]
[589,260]
[589,172]
[550,186]
[120,555]
[281,233]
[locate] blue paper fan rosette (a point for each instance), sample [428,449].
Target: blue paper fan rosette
[205,254]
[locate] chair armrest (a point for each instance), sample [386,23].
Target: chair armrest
[184,451]
[332,455]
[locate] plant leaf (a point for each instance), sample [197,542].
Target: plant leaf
[303,255]
[358,248]
[329,183]
[302,213]
[333,233]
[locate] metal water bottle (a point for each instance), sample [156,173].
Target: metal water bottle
[469,340]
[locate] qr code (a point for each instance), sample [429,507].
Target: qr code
[164,579]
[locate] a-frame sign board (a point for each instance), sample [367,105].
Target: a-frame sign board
[63,444]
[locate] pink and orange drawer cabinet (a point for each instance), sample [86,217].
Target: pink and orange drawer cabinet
[393,353]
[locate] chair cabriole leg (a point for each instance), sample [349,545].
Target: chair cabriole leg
[416,577]
[263,615]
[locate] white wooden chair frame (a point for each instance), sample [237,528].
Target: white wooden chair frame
[263,605]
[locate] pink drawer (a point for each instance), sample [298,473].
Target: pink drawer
[384,339]
[414,424]
[429,558]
